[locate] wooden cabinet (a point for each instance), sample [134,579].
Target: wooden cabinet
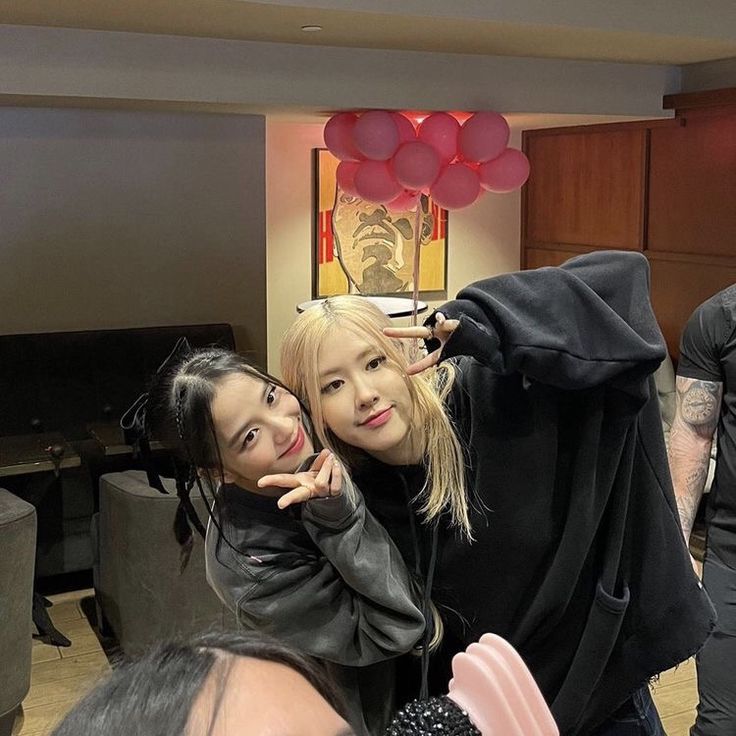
[692,187]
[587,188]
[678,286]
[666,188]
[538,257]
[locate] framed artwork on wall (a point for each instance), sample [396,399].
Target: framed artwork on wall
[360,247]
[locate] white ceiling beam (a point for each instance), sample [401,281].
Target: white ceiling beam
[102,65]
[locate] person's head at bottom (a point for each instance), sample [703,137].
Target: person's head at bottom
[217,684]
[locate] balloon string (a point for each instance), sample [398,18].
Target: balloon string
[415,293]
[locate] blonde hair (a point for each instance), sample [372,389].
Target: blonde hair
[431,429]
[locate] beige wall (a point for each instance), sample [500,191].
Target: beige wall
[709,75]
[128,219]
[123,219]
[483,239]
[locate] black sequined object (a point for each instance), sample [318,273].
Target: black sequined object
[434,717]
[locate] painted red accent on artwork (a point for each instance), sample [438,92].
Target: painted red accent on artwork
[325,247]
[440,222]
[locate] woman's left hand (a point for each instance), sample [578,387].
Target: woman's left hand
[441,331]
[323,479]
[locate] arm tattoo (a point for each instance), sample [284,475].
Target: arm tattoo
[700,404]
[696,417]
[689,499]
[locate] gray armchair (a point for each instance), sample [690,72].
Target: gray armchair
[139,586]
[17,562]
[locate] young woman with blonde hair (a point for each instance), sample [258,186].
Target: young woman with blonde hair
[520,468]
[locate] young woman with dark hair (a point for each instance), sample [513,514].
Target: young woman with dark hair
[290,546]
[217,684]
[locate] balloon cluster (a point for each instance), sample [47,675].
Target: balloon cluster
[385,159]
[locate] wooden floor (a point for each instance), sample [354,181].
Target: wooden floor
[60,676]
[676,696]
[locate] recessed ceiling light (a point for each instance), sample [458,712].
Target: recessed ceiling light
[311,29]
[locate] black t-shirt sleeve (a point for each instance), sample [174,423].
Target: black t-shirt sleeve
[702,343]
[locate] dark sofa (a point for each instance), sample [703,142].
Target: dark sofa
[63,382]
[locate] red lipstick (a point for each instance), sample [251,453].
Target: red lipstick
[297,444]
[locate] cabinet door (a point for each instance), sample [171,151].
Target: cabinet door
[586,188]
[692,187]
[680,286]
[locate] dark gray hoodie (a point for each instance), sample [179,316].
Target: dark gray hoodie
[324,577]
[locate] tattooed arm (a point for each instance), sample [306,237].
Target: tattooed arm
[696,417]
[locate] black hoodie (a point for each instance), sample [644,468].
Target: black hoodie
[578,558]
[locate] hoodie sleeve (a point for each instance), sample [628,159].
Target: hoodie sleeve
[350,601]
[575,326]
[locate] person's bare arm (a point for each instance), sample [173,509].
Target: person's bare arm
[696,416]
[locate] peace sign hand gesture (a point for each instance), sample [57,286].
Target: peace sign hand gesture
[441,331]
[322,480]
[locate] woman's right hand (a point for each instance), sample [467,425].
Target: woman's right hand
[441,331]
[323,479]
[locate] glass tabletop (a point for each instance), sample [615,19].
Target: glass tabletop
[36,453]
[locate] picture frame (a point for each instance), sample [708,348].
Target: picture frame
[362,247]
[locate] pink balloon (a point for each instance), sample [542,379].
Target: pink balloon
[416,165]
[440,130]
[506,173]
[346,171]
[375,182]
[457,186]
[407,201]
[376,135]
[338,135]
[405,127]
[483,136]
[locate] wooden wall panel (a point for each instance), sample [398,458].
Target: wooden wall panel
[692,187]
[667,187]
[680,286]
[586,189]
[539,257]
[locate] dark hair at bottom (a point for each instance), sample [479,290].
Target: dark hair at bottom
[154,694]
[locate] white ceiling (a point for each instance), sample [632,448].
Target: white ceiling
[641,31]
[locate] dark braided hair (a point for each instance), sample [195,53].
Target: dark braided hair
[177,415]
